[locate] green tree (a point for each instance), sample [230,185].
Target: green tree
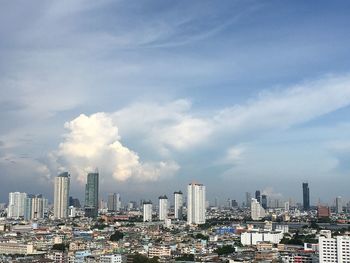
[225,250]
[116,236]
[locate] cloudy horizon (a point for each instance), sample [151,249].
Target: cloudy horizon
[240,96]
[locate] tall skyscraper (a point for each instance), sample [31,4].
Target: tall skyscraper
[16,205]
[112,203]
[61,195]
[264,201]
[147,211]
[178,204]
[163,207]
[195,204]
[338,205]
[257,196]
[306,196]
[257,211]
[34,207]
[248,199]
[91,195]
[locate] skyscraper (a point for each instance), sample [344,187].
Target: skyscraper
[91,195]
[178,204]
[248,199]
[257,211]
[257,196]
[34,207]
[61,195]
[338,205]
[16,205]
[112,203]
[306,196]
[163,207]
[195,203]
[147,211]
[264,201]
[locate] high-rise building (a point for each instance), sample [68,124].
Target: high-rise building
[163,207]
[147,211]
[257,212]
[34,207]
[74,202]
[286,206]
[112,203]
[338,205]
[306,196]
[336,249]
[61,195]
[178,204]
[264,201]
[91,195]
[248,199]
[258,196]
[16,205]
[196,204]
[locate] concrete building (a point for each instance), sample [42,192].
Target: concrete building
[335,249]
[16,205]
[253,238]
[195,204]
[257,212]
[16,248]
[248,199]
[34,207]
[178,204]
[61,195]
[113,258]
[147,211]
[163,207]
[91,195]
[338,205]
[113,202]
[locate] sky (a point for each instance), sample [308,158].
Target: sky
[237,95]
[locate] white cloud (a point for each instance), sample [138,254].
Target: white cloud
[292,106]
[93,141]
[166,127]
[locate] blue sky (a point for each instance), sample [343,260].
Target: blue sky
[239,95]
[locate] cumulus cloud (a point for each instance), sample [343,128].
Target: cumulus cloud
[168,126]
[93,141]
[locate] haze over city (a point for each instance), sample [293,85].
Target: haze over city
[239,96]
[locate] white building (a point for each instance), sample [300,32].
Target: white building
[252,238]
[195,204]
[147,212]
[16,205]
[163,207]
[178,204]
[34,207]
[114,258]
[61,195]
[257,212]
[335,249]
[286,206]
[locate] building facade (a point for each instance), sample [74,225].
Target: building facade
[195,204]
[61,195]
[163,207]
[178,204]
[147,211]
[16,205]
[306,196]
[91,195]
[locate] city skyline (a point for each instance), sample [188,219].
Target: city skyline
[239,96]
